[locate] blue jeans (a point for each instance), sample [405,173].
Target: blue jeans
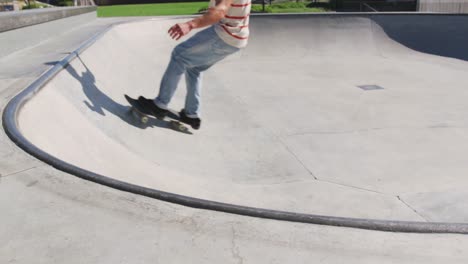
[191,58]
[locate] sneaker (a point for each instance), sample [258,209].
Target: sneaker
[152,108]
[195,123]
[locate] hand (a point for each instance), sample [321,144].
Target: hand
[179,30]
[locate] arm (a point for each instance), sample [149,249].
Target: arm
[211,17]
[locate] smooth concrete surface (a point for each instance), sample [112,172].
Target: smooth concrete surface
[56,218]
[23,57]
[286,126]
[30,37]
[28,52]
[51,217]
[19,19]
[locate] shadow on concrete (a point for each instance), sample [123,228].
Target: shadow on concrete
[433,34]
[101,104]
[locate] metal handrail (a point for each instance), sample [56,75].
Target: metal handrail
[368,6]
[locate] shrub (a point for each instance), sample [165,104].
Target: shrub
[259,9]
[32,5]
[290,5]
[61,2]
[65,3]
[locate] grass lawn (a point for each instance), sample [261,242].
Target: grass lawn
[290,7]
[164,9]
[167,9]
[297,10]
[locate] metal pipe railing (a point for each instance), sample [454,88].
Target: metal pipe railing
[364,4]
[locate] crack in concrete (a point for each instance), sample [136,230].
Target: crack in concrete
[436,126]
[317,178]
[357,188]
[235,248]
[297,158]
[414,210]
[279,139]
[21,171]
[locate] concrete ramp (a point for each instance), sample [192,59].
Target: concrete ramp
[360,116]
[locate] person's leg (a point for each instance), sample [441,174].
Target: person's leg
[189,53]
[193,75]
[169,82]
[192,57]
[193,79]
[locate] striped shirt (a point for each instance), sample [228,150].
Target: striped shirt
[234,27]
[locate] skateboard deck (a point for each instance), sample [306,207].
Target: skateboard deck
[144,116]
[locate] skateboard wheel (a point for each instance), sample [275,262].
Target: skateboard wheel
[178,126]
[144,119]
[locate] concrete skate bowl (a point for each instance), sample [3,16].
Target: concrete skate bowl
[337,119]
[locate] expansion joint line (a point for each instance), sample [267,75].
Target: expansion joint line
[21,171]
[296,157]
[409,206]
[355,187]
[241,101]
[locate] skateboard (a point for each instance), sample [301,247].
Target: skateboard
[144,116]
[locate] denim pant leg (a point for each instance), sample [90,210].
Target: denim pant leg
[191,58]
[169,83]
[193,79]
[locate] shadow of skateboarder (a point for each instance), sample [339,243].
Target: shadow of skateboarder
[100,103]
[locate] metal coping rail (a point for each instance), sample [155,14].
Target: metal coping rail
[10,125]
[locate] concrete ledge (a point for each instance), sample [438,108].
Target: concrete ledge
[14,20]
